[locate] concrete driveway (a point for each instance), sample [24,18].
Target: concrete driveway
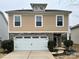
[29,55]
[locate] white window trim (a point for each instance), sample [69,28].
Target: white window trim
[62,21]
[42,20]
[14,21]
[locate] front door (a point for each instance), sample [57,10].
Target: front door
[57,39]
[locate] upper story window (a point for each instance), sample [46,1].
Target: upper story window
[17,20]
[38,21]
[60,20]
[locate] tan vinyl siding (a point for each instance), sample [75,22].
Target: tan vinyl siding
[28,23]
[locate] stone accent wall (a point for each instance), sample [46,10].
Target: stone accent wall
[50,35]
[12,35]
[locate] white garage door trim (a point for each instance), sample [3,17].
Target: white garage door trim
[31,43]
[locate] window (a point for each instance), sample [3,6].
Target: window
[35,37]
[38,20]
[38,8]
[28,37]
[17,20]
[41,8]
[18,37]
[43,37]
[59,20]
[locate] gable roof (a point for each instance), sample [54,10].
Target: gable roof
[31,11]
[4,17]
[74,27]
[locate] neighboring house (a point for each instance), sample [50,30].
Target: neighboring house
[31,29]
[75,34]
[3,27]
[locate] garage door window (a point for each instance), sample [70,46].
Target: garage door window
[43,37]
[18,37]
[27,37]
[35,37]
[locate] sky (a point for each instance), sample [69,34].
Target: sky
[71,5]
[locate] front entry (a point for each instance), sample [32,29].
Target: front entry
[57,39]
[31,43]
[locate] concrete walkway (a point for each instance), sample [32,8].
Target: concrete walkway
[29,55]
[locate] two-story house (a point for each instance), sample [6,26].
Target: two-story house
[31,29]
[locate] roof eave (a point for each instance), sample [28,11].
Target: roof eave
[4,17]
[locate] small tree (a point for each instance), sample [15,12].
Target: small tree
[51,45]
[68,43]
[7,45]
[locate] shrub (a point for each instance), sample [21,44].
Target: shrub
[51,45]
[68,43]
[7,45]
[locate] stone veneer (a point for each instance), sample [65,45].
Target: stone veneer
[12,35]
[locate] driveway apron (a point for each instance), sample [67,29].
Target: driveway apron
[29,55]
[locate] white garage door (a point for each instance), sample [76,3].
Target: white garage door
[31,43]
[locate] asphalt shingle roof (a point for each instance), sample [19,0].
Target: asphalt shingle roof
[31,11]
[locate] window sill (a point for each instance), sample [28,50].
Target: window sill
[59,26]
[17,26]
